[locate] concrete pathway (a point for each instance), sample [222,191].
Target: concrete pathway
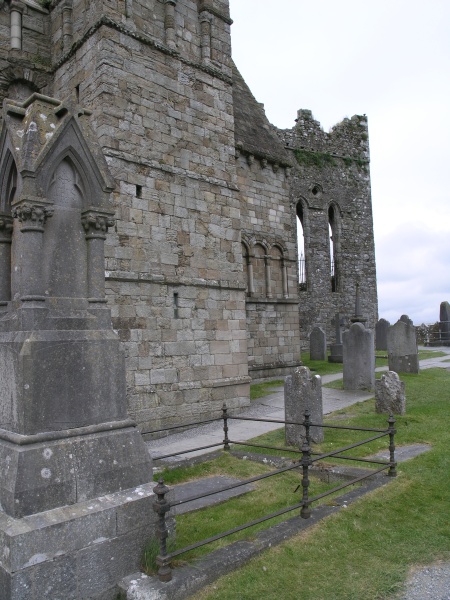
[268,407]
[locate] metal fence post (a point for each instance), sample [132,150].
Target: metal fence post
[226,441]
[392,431]
[305,512]
[161,507]
[307,426]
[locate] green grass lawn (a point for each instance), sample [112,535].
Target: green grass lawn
[366,550]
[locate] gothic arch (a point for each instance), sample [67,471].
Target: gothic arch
[335,228]
[8,184]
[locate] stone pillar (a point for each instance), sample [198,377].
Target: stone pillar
[303,391]
[285,279]
[251,285]
[267,268]
[359,358]
[169,23]
[32,217]
[205,35]
[67,25]
[6,227]
[95,224]
[16,25]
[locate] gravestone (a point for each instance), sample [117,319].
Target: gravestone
[336,348]
[303,391]
[406,320]
[444,323]
[75,486]
[359,358]
[381,334]
[318,344]
[402,347]
[390,394]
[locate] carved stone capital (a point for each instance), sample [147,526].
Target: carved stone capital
[205,17]
[32,216]
[96,223]
[6,227]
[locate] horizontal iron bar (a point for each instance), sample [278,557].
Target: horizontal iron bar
[367,460]
[310,423]
[235,530]
[267,447]
[236,485]
[338,450]
[180,426]
[344,485]
[187,451]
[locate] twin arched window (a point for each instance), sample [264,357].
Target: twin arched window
[266,270]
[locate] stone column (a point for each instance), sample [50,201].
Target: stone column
[205,35]
[6,227]
[32,217]
[169,23]
[284,278]
[16,25]
[267,265]
[95,224]
[67,25]
[251,285]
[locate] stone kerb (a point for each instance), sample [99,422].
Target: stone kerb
[318,344]
[402,348]
[359,358]
[381,334]
[303,391]
[390,394]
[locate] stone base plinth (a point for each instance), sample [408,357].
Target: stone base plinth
[76,552]
[40,473]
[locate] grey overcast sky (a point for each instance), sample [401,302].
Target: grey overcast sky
[389,59]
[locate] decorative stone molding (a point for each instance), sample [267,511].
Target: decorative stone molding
[95,223]
[32,216]
[205,19]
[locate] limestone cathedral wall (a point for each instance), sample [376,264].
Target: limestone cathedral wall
[202,265]
[330,184]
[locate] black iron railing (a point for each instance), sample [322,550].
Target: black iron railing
[308,458]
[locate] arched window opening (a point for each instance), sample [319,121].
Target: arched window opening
[301,248]
[277,276]
[333,229]
[259,270]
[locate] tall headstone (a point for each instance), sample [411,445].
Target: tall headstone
[381,334]
[402,348]
[303,391]
[359,358]
[318,344]
[336,348]
[390,394]
[406,319]
[72,460]
[444,323]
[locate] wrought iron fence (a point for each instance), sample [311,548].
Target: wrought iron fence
[162,506]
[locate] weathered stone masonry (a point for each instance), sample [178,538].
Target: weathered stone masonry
[201,265]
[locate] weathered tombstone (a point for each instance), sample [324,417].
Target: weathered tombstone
[336,348]
[318,344]
[75,483]
[359,358]
[390,394]
[381,334]
[303,391]
[406,320]
[444,323]
[402,348]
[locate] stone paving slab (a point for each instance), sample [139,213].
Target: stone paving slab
[203,486]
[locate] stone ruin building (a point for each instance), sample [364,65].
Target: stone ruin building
[202,263]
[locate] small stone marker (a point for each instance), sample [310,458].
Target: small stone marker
[359,358]
[390,394]
[336,348]
[318,344]
[402,347]
[303,391]
[381,334]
